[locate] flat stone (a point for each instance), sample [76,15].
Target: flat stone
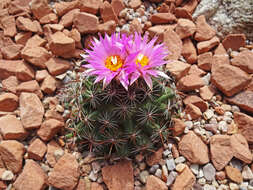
[40,8]
[197,101]
[189,51]
[8,68]
[8,102]
[86,23]
[163,18]
[52,146]
[178,68]
[185,180]
[234,174]
[244,61]
[36,41]
[209,172]
[63,7]
[67,19]
[9,26]
[174,44]
[205,46]
[178,127]
[107,12]
[190,83]
[41,75]
[31,87]
[26,24]
[185,28]
[205,61]
[118,6]
[90,6]
[37,150]
[155,157]
[10,84]
[155,183]
[108,27]
[11,52]
[203,30]
[206,92]
[234,41]
[48,85]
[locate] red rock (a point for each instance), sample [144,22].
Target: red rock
[221,152]
[206,92]
[65,173]
[22,37]
[204,31]
[52,146]
[26,24]
[174,44]
[193,111]
[189,52]
[179,126]
[11,51]
[159,30]
[241,149]
[220,175]
[164,8]
[220,50]
[40,8]
[155,158]
[49,18]
[48,85]
[24,72]
[63,7]
[191,5]
[8,102]
[197,101]
[117,6]
[36,41]
[135,4]
[10,84]
[220,59]
[234,41]
[75,35]
[11,153]
[154,182]
[36,56]
[9,26]
[195,70]
[67,19]
[244,61]
[49,128]
[185,28]
[18,6]
[90,6]
[178,69]
[52,114]
[185,180]
[205,46]
[182,13]
[57,66]
[96,186]
[205,61]
[30,86]
[234,174]
[33,176]
[229,79]
[36,150]
[163,18]
[114,181]
[135,26]
[190,83]
[108,27]
[107,12]
[31,110]
[86,23]
[244,123]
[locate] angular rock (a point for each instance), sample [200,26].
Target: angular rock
[178,127]
[206,92]
[11,52]
[40,8]
[192,147]
[48,85]
[22,37]
[11,128]
[65,173]
[30,86]
[41,75]
[209,172]
[178,69]
[31,110]
[125,181]
[191,5]
[197,101]
[90,6]
[163,18]
[10,84]
[67,19]
[49,18]
[185,180]
[26,24]
[52,114]
[86,23]
[108,27]
[9,26]
[36,150]
[57,66]
[205,46]
[135,4]
[244,61]
[8,68]
[174,44]
[181,12]
[155,157]
[8,102]
[36,40]
[33,176]
[154,182]
[52,146]
[107,12]
[234,174]
[135,26]
[190,83]
[24,72]
[159,30]
[234,41]
[204,31]
[65,7]
[195,70]
[189,52]
[205,61]
[185,28]
[117,6]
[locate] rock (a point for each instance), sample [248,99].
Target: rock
[234,41]
[57,66]
[220,175]
[190,83]
[52,147]
[8,102]
[170,164]
[174,44]
[185,28]
[221,152]
[24,72]
[36,150]
[205,46]
[11,128]
[49,128]
[86,23]
[40,8]
[203,30]
[7,175]
[8,68]
[206,92]
[11,152]
[96,186]
[155,157]
[197,101]
[48,85]
[125,181]
[135,26]
[244,61]
[30,86]
[31,110]
[36,56]
[234,174]
[117,6]
[195,70]
[154,182]
[159,30]
[50,18]
[143,176]
[171,178]
[185,180]
[9,26]
[12,51]
[193,111]
[178,68]
[192,147]
[163,18]
[36,40]
[205,61]
[179,127]
[41,75]
[65,173]
[67,19]
[10,84]
[22,37]
[181,12]
[243,100]
[229,79]
[209,172]
[90,6]
[63,7]
[189,52]
[227,17]
[26,24]
[107,12]
[108,27]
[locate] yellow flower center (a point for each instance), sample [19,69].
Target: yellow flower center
[113,62]
[142,60]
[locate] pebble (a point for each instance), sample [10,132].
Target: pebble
[158,173]
[45,167]
[180,159]
[170,164]
[166,153]
[188,124]
[171,178]
[222,126]
[208,114]
[207,78]
[247,173]
[213,121]
[153,168]
[93,176]
[142,166]
[125,27]
[202,181]
[233,186]
[200,174]
[235,109]
[250,187]
[180,167]
[209,172]
[244,186]
[7,175]
[223,187]
[209,187]
[195,168]
[96,167]
[165,170]
[143,176]
[59,108]
[58,154]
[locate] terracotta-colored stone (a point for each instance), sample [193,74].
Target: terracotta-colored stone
[250,86]
[197,101]
[181,12]
[118,6]
[8,68]
[11,152]
[67,19]
[191,5]
[159,30]
[22,37]
[10,84]
[48,85]
[185,28]
[86,23]
[90,6]
[234,41]
[155,157]
[178,69]
[52,146]
[221,151]
[63,7]
[185,180]
[65,173]
[205,61]
[204,31]
[220,50]
[189,52]
[135,26]
[234,174]
[57,66]
[244,61]
[26,24]
[229,79]
[11,51]
[8,102]
[31,110]
[40,8]
[163,18]
[107,12]
[96,186]
[36,41]
[30,86]
[154,182]
[114,181]
[36,56]
[135,4]
[244,100]
[193,111]
[33,176]
[24,72]
[107,27]
[174,44]
[41,75]
[205,46]
[190,83]
[49,128]
[52,114]
[17,6]
[206,92]
[179,127]
[49,18]
[9,26]
[195,70]
[36,150]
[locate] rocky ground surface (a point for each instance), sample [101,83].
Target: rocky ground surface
[40,43]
